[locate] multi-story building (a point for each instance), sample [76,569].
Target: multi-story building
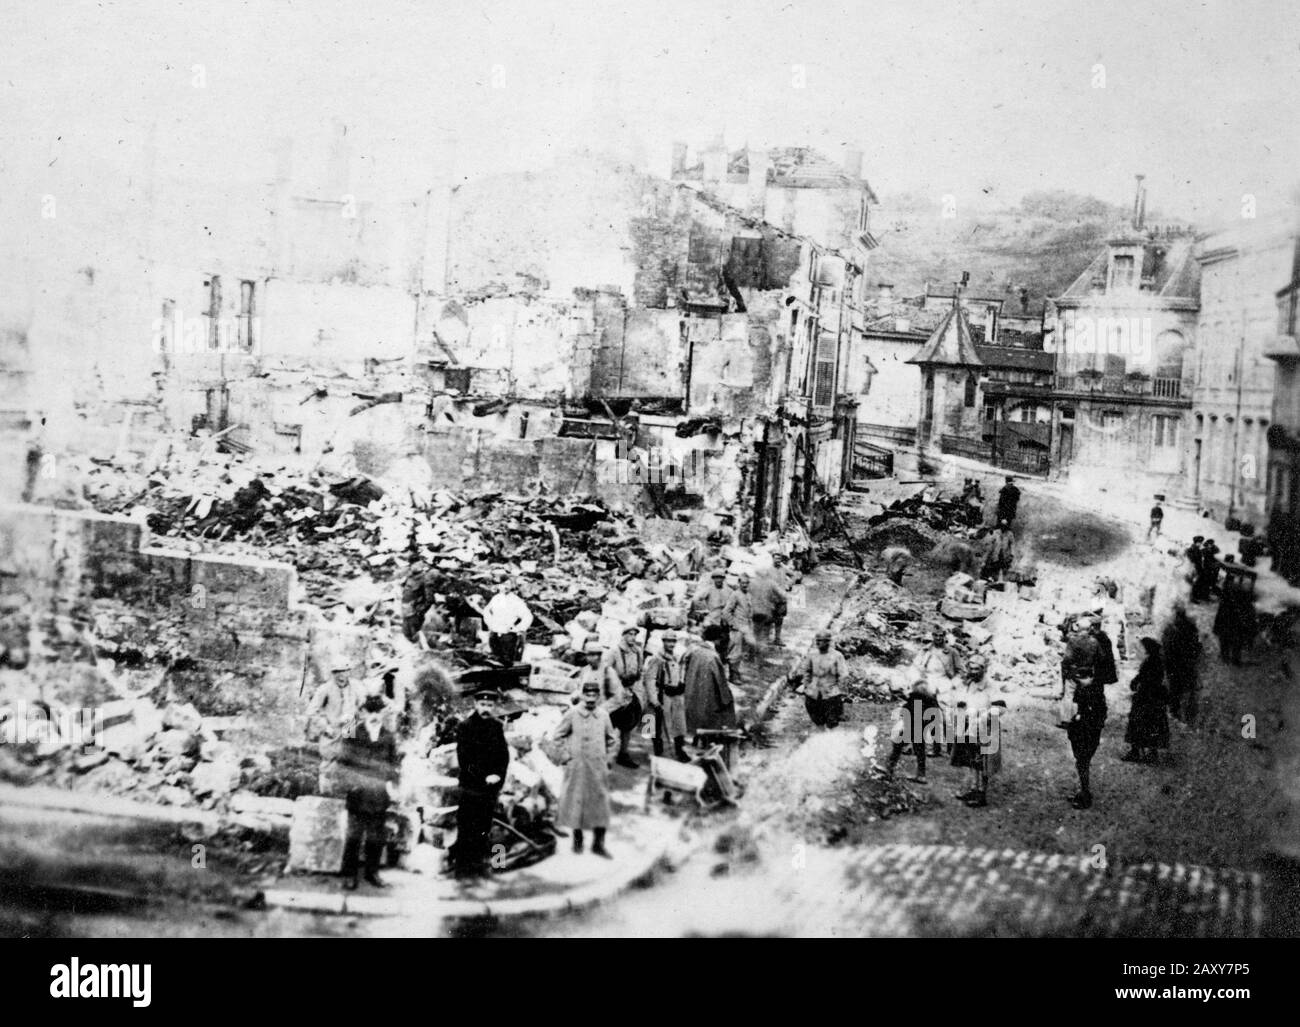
[1283,435]
[1122,334]
[1232,400]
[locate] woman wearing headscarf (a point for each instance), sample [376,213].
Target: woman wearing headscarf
[1148,723]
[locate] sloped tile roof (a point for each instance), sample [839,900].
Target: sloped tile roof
[950,343]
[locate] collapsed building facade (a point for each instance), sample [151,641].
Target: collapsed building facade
[584,330]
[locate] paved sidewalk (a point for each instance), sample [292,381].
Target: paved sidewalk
[558,884]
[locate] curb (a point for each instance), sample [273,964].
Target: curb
[463,909]
[764,709]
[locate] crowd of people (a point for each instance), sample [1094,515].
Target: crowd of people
[672,684]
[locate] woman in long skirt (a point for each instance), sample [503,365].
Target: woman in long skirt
[1148,723]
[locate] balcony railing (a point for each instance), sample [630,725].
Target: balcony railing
[1159,388]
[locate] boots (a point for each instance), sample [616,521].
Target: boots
[598,844]
[679,744]
[623,759]
[577,842]
[658,746]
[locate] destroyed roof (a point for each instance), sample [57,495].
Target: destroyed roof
[950,343]
[798,167]
[804,166]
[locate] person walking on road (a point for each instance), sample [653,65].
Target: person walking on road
[1089,708]
[1008,501]
[822,680]
[1181,647]
[771,598]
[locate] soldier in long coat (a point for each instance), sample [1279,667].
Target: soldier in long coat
[709,702]
[584,798]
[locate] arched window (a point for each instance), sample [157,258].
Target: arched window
[1169,349]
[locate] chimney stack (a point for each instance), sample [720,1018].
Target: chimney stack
[1024,300]
[679,160]
[1139,204]
[853,163]
[885,296]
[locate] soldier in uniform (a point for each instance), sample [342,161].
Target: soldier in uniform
[624,662]
[662,681]
[482,757]
[824,671]
[589,738]
[739,617]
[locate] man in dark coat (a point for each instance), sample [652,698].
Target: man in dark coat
[1008,501]
[482,756]
[1196,557]
[369,764]
[1079,668]
[1234,623]
[1181,645]
[709,702]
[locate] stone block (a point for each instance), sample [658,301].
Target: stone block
[317,834]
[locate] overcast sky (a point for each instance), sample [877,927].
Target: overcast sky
[981,98]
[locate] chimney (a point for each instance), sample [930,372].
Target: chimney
[679,160]
[853,163]
[1024,300]
[1139,204]
[885,296]
[714,159]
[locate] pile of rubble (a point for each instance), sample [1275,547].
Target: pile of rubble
[171,756]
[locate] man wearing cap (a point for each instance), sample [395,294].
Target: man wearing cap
[710,604]
[738,616]
[662,682]
[369,762]
[771,592]
[824,671]
[331,715]
[1008,501]
[588,738]
[625,662]
[709,702]
[482,757]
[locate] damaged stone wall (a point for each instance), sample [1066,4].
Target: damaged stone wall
[85,574]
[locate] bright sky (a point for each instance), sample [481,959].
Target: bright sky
[945,97]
